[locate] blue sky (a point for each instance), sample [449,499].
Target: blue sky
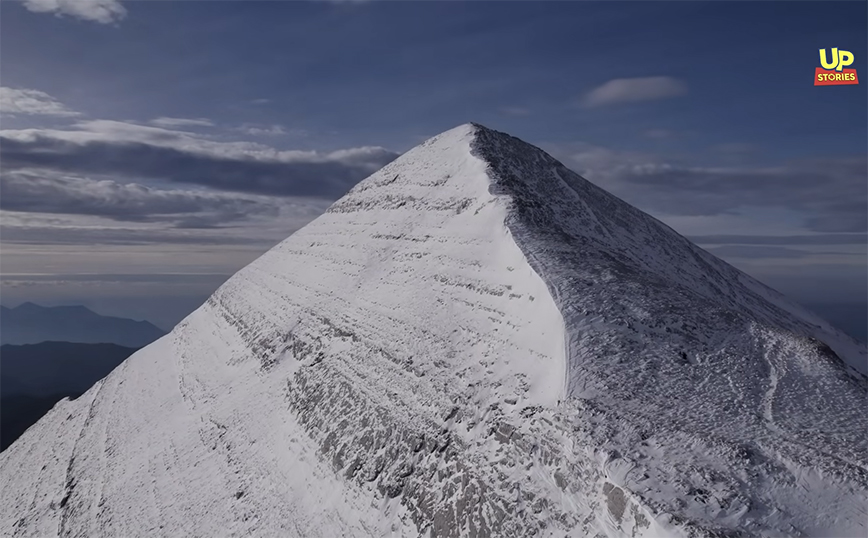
[217,128]
[380,72]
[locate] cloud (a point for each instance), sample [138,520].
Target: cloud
[84,132]
[101,11]
[633,90]
[92,235]
[831,195]
[31,102]
[764,252]
[820,239]
[85,213]
[127,150]
[99,278]
[181,122]
[39,193]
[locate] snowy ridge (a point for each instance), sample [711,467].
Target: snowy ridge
[474,341]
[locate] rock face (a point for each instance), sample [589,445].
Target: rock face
[474,341]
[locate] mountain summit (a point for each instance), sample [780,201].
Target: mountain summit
[474,341]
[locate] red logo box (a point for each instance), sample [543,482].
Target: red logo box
[830,77]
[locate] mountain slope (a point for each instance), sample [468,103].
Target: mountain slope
[473,342]
[29,323]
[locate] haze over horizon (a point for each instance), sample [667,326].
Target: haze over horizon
[137,178]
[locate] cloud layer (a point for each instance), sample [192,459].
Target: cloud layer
[126,150]
[181,122]
[766,252]
[830,195]
[35,192]
[820,239]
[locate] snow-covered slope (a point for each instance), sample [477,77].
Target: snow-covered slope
[475,341]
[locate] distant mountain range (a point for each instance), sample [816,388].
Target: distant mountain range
[34,377]
[29,323]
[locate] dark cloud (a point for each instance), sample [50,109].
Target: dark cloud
[84,236]
[821,239]
[757,252]
[329,176]
[830,194]
[216,279]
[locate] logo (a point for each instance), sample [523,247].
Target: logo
[833,73]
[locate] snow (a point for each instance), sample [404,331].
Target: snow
[474,341]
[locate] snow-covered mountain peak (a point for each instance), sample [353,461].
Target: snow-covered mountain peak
[474,341]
